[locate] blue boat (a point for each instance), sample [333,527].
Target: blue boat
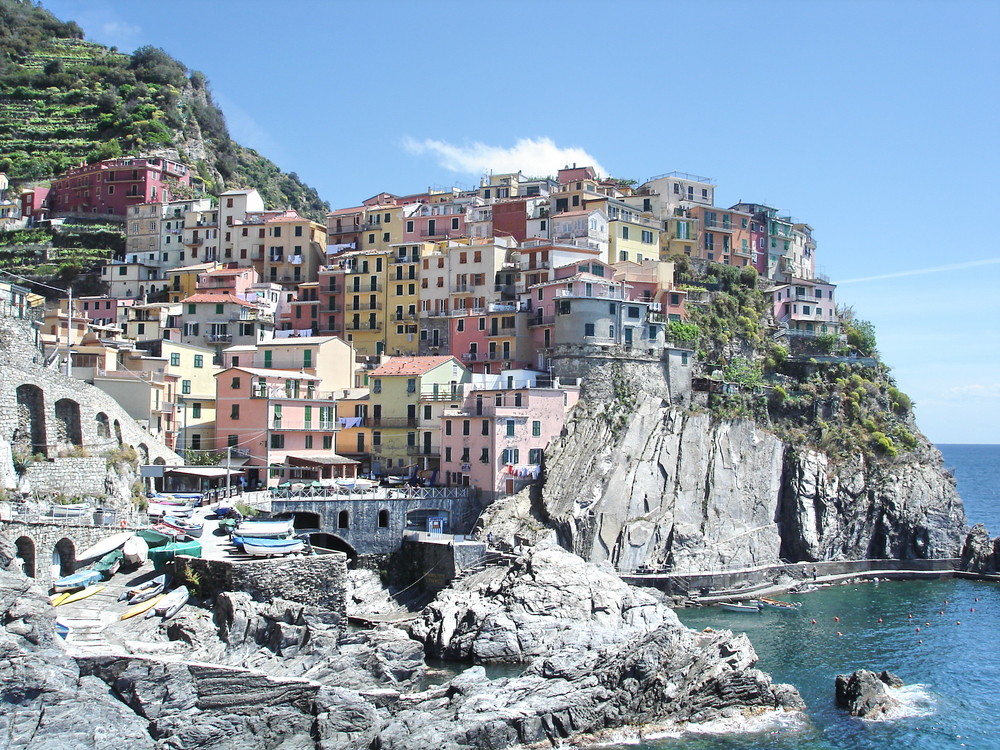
[78,580]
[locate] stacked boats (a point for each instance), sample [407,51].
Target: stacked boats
[755,606]
[152,598]
[274,536]
[110,554]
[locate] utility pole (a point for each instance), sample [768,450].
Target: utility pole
[69,334]
[229,464]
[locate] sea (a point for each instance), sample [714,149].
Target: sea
[941,637]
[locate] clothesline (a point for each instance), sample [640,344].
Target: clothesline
[528,470]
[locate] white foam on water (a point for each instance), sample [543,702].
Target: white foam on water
[914,700]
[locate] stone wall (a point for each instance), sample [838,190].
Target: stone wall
[435,560]
[43,413]
[317,580]
[665,375]
[42,540]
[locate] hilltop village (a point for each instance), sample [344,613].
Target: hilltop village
[438,337]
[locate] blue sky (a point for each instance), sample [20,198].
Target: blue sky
[875,122]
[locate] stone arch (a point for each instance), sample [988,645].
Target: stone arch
[333,542]
[118,432]
[29,435]
[344,520]
[103,425]
[143,451]
[68,429]
[307,520]
[63,558]
[383,519]
[159,461]
[26,554]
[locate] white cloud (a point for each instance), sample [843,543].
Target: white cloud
[536,157]
[120,30]
[922,271]
[973,391]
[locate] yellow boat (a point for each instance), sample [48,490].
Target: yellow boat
[56,599]
[141,607]
[89,591]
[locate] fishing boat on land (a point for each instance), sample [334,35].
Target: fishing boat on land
[780,605]
[103,547]
[135,551]
[190,528]
[160,556]
[262,547]
[69,510]
[740,607]
[89,591]
[276,527]
[227,525]
[110,564]
[354,485]
[146,590]
[170,604]
[141,607]
[78,580]
[169,509]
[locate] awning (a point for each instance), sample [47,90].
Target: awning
[209,472]
[317,458]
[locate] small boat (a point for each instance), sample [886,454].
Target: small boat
[778,604]
[737,607]
[160,556]
[145,591]
[69,510]
[278,527]
[227,525]
[261,547]
[108,565]
[172,533]
[141,607]
[170,604]
[153,538]
[56,599]
[135,551]
[170,509]
[355,485]
[104,546]
[190,528]
[78,580]
[89,591]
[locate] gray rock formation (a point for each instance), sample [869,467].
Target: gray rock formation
[863,693]
[548,599]
[637,482]
[979,555]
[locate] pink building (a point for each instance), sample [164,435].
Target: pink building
[280,422]
[106,311]
[807,307]
[495,441]
[430,222]
[228,278]
[108,188]
[35,205]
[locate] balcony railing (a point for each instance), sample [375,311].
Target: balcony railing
[392,422]
[441,395]
[446,233]
[322,425]
[218,338]
[366,326]
[542,320]
[362,290]
[431,451]
[363,306]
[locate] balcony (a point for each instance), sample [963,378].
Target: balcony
[195,241]
[393,422]
[363,290]
[441,234]
[322,426]
[405,259]
[218,338]
[349,229]
[363,306]
[493,356]
[501,333]
[445,395]
[430,451]
[365,326]
[542,320]
[403,317]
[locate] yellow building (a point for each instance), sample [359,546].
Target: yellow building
[679,236]
[381,227]
[182,282]
[632,238]
[404,436]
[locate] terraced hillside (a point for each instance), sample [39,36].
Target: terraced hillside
[64,100]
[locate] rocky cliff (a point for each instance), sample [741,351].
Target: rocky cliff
[636,481]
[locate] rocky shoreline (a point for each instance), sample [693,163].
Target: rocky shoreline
[598,656]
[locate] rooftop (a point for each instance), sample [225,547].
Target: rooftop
[409,365]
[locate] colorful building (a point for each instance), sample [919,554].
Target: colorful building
[106,189]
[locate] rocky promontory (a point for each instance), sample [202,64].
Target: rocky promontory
[240,673]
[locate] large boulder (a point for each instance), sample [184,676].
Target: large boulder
[863,693]
[547,599]
[979,555]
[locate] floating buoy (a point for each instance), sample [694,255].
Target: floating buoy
[920,641]
[880,619]
[958,622]
[839,633]
[910,617]
[927,624]
[941,612]
[918,628]
[814,622]
[977,598]
[836,619]
[972,609]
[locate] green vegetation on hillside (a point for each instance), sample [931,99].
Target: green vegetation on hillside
[64,100]
[69,254]
[830,392]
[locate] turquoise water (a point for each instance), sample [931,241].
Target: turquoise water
[952,671]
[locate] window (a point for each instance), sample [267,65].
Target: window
[624,233]
[535,456]
[588,329]
[460,325]
[277,441]
[486,427]
[411,385]
[465,455]
[623,255]
[298,231]
[647,237]
[175,359]
[633,312]
[309,441]
[383,519]
[192,308]
[454,223]
[235,385]
[232,440]
[510,428]
[376,438]
[196,411]
[186,387]
[277,416]
[307,358]
[409,227]
[536,428]
[447,427]
[234,412]
[328,442]
[465,426]
[199,360]
[484,456]
[447,454]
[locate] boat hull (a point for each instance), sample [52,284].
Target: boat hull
[259,550]
[76,581]
[105,546]
[135,551]
[265,529]
[746,608]
[138,609]
[89,591]
[160,556]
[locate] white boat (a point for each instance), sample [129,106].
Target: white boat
[778,604]
[737,607]
[273,547]
[190,528]
[168,606]
[168,509]
[135,550]
[103,547]
[70,510]
[272,528]
[355,485]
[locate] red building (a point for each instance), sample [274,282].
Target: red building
[511,218]
[108,188]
